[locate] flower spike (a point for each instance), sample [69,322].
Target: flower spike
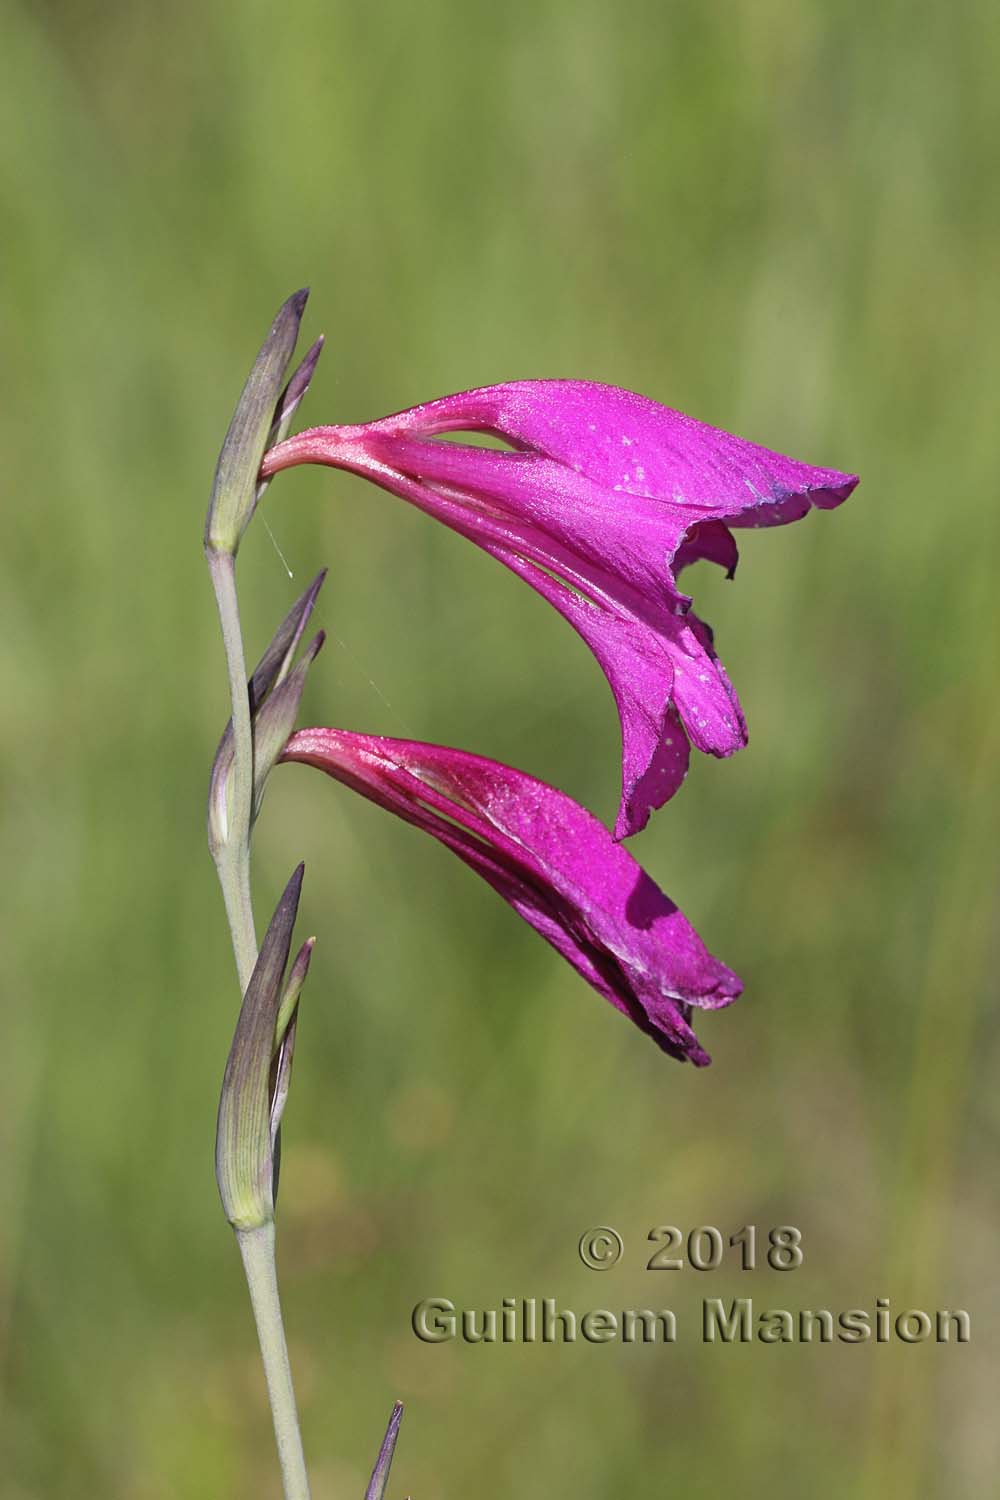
[606,498]
[555,864]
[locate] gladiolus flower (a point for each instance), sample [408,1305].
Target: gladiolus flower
[556,865]
[606,498]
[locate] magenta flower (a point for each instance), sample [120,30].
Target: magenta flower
[608,496]
[556,865]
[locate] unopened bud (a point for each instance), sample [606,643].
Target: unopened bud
[275,719]
[256,1072]
[271,672]
[285,1025]
[261,417]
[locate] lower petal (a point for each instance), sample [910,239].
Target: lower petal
[637,662]
[708,541]
[706,700]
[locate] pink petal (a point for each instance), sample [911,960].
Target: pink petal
[628,444]
[555,864]
[607,498]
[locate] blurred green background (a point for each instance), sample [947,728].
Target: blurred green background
[781,217]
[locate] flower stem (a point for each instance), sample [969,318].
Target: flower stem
[257,1250]
[232,861]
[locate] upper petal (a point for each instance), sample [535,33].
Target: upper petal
[632,445]
[629,536]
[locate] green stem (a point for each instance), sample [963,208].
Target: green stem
[257,1250]
[233,858]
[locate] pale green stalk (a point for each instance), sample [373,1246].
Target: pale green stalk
[257,1250]
[232,860]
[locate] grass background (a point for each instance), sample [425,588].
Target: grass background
[781,217]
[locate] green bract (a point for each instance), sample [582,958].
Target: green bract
[262,417]
[275,690]
[255,1085]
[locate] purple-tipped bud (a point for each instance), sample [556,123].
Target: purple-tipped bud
[248,1118]
[276,662]
[261,409]
[297,974]
[275,692]
[285,1029]
[289,399]
[380,1473]
[275,720]
[294,392]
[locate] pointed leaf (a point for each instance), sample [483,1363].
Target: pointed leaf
[380,1473]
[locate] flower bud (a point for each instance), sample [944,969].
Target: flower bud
[261,417]
[255,1085]
[272,676]
[284,1050]
[275,720]
[285,1019]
